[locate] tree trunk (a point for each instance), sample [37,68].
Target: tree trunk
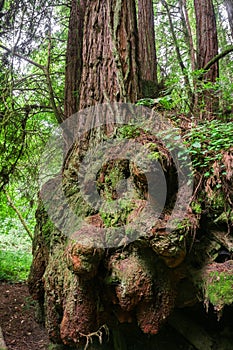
[229,7]
[74,57]
[70,292]
[110,70]
[83,288]
[188,32]
[207,48]
[147,49]
[207,41]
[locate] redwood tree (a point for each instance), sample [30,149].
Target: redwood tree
[74,57]
[68,302]
[83,290]
[229,7]
[207,48]
[147,49]
[110,70]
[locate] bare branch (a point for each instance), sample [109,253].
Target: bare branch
[12,52]
[57,111]
[23,222]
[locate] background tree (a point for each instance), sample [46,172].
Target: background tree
[178,53]
[147,48]
[26,111]
[229,7]
[74,57]
[207,45]
[207,48]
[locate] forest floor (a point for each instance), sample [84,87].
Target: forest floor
[20,330]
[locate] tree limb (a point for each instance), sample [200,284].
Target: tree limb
[214,60]
[23,222]
[45,69]
[12,52]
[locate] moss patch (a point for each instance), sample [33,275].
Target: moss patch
[218,284]
[219,289]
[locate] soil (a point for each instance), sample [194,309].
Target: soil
[20,330]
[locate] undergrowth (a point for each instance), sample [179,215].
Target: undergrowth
[14,266]
[206,143]
[15,251]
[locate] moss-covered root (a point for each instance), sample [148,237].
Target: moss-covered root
[216,280]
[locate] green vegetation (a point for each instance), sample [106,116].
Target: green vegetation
[15,243]
[218,289]
[206,143]
[128,131]
[164,102]
[15,251]
[14,265]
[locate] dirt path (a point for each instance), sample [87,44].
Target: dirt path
[20,330]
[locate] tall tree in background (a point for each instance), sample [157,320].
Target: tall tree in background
[147,48]
[229,7]
[183,8]
[74,57]
[207,48]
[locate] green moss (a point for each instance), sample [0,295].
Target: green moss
[114,213]
[219,289]
[47,230]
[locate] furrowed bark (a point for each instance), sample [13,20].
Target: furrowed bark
[147,49]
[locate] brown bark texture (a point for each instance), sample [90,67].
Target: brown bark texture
[147,49]
[110,71]
[207,41]
[207,48]
[74,57]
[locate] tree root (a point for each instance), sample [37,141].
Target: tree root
[98,334]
